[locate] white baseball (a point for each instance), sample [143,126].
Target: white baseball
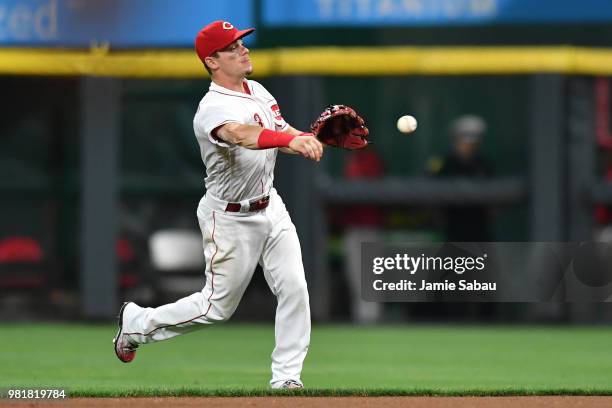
[406,124]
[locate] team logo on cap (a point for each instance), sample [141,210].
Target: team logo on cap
[227,26]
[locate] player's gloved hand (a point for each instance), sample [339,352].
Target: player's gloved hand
[307,146]
[341,126]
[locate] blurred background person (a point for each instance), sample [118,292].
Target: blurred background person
[363,223]
[465,223]
[470,222]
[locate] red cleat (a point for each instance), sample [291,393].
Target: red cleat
[124,348]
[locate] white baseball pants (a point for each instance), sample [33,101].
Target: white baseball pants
[233,245]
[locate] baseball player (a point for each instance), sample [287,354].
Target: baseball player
[243,220]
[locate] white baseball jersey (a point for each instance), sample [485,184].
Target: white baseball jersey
[235,173]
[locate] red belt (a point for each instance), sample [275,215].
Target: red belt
[253,205]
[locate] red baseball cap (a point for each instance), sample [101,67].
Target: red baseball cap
[217,35]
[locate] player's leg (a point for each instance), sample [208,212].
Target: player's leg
[282,264]
[232,245]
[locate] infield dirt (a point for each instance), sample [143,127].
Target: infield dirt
[333,402]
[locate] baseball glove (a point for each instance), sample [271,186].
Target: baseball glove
[341,126]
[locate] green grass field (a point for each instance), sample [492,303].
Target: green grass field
[234,359]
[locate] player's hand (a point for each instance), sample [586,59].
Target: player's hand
[307,146]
